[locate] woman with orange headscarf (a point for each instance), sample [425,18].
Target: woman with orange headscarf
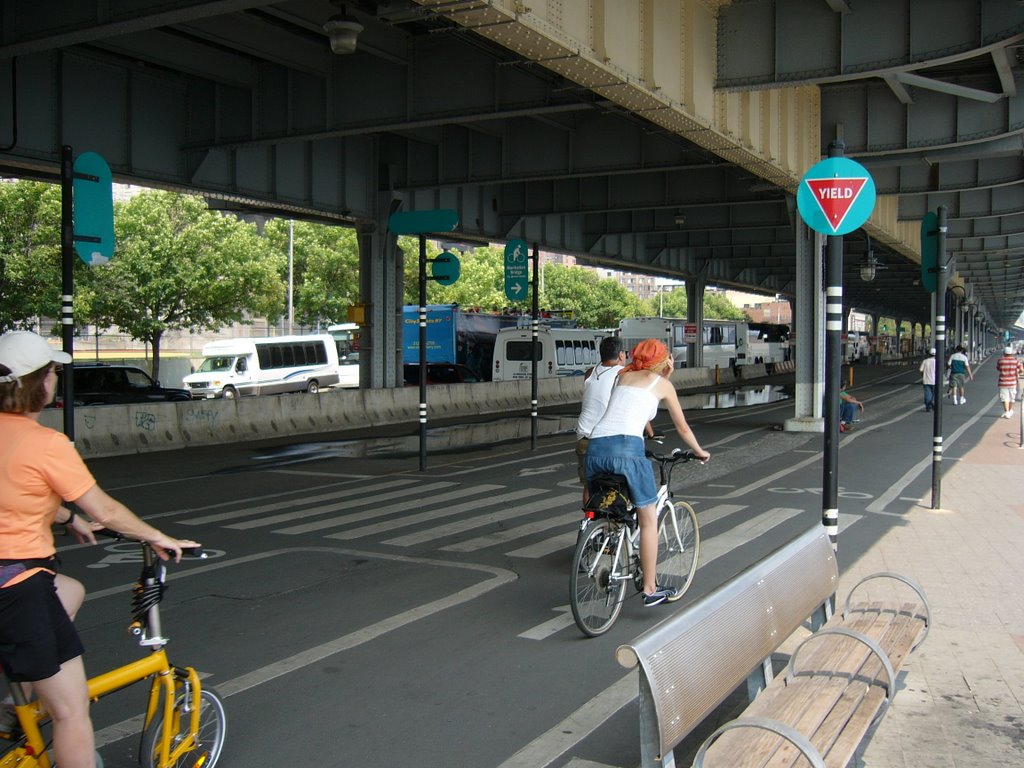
[617,445]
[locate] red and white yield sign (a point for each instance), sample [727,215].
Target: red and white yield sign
[836,196]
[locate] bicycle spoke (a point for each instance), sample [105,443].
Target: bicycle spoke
[678,548]
[596,584]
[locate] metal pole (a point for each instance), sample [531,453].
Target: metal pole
[941,281]
[67,252]
[533,349]
[833,372]
[291,275]
[423,353]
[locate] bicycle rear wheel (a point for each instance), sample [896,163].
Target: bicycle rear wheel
[678,547]
[596,583]
[209,739]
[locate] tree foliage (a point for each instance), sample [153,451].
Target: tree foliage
[30,257]
[325,268]
[178,265]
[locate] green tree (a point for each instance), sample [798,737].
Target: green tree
[596,302]
[325,268]
[30,259]
[177,265]
[718,307]
[481,282]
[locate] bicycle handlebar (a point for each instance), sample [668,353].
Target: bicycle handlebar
[677,455]
[193,553]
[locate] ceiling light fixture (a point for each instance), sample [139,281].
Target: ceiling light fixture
[343,31]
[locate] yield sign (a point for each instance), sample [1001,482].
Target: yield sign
[836,196]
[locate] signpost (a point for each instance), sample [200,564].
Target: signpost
[835,197]
[420,223]
[446,268]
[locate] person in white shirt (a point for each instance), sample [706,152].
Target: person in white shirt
[927,370]
[959,369]
[617,445]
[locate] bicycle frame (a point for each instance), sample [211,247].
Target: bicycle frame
[167,683]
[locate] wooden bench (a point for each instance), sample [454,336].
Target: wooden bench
[838,681]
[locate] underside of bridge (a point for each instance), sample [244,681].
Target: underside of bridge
[663,136]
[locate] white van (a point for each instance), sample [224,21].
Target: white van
[265,366]
[560,352]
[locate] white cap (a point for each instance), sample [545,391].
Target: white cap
[931,351]
[23,352]
[1008,351]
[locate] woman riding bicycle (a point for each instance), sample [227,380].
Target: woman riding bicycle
[38,468]
[617,445]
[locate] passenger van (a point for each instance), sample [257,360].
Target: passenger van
[265,366]
[560,352]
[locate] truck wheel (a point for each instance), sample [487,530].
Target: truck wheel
[313,386]
[230,393]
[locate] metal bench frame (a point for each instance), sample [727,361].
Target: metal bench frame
[691,662]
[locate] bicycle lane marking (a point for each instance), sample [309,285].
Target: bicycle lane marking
[498,577]
[799,465]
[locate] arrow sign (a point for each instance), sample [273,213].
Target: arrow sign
[517,271]
[836,196]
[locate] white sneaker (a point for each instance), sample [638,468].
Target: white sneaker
[1009,413]
[956,400]
[963,401]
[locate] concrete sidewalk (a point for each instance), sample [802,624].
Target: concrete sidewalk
[962,700]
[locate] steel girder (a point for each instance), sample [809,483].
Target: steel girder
[923,94]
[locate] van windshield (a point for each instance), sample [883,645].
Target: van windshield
[214,364]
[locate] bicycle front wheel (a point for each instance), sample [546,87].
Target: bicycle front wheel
[209,739]
[597,582]
[678,547]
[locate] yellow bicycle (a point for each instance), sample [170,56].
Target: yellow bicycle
[185,724]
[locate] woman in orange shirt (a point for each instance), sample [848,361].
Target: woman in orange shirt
[39,468]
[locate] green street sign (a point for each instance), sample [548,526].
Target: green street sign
[517,270]
[446,268]
[422,222]
[93,209]
[929,250]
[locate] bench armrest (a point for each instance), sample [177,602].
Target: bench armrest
[914,586]
[790,734]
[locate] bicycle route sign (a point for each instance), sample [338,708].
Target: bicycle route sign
[517,270]
[836,196]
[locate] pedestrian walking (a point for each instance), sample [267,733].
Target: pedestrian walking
[1010,370]
[927,369]
[959,370]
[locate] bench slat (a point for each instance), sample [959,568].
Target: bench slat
[835,701]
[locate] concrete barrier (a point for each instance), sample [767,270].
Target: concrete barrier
[112,430]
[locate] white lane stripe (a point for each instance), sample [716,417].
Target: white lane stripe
[423,517]
[351,503]
[564,541]
[478,522]
[550,627]
[503,537]
[496,578]
[548,747]
[713,548]
[245,510]
[402,506]
[879,504]
[717,512]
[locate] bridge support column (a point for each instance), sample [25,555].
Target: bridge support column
[809,326]
[380,290]
[695,314]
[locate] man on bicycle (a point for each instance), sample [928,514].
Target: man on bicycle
[617,445]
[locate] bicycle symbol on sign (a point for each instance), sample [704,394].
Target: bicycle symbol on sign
[518,255]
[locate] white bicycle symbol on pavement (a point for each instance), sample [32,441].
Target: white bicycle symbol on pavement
[843,493]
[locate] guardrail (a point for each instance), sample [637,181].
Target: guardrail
[114,430]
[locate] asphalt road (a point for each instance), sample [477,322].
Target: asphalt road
[355,611]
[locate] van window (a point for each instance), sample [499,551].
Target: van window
[577,348]
[520,350]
